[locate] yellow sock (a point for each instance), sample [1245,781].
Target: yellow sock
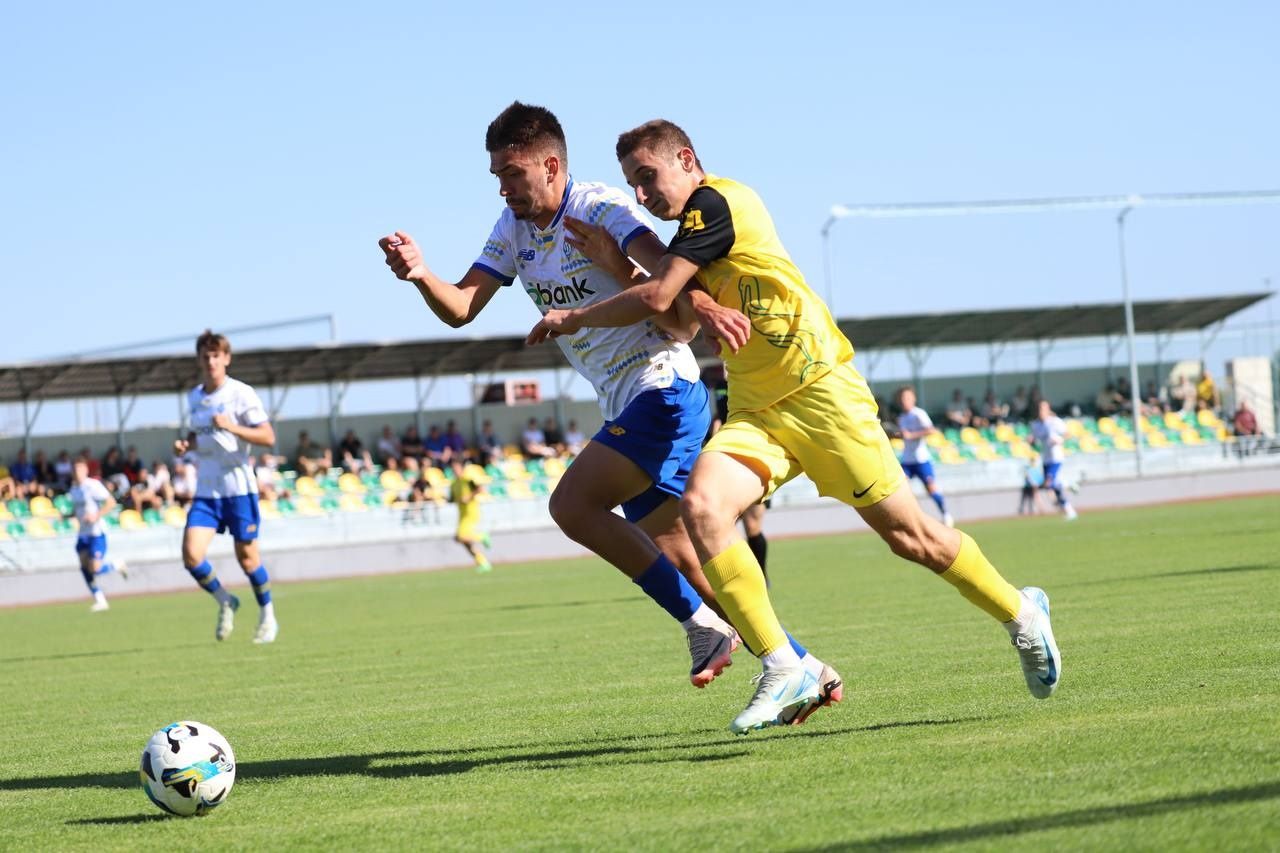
[739,584]
[977,580]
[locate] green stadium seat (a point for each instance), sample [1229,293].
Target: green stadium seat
[64,525]
[286,507]
[64,504]
[16,529]
[498,490]
[329,503]
[19,508]
[152,517]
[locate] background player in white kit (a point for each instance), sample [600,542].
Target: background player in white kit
[656,408]
[1050,433]
[915,425]
[227,417]
[92,502]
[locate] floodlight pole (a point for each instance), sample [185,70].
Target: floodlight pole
[826,262]
[1135,392]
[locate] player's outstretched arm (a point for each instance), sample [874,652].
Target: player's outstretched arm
[457,304]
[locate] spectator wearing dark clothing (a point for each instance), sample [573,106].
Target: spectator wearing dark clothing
[352,453]
[412,450]
[489,445]
[134,468]
[26,482]
[454,441]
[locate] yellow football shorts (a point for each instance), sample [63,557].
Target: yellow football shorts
[468,523]
[828,430]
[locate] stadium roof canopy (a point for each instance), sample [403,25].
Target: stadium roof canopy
[325,363]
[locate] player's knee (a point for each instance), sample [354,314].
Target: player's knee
[700,510]
[566,510]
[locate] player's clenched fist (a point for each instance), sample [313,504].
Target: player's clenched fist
[402,255]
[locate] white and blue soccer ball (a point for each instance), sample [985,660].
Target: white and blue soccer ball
[187,769]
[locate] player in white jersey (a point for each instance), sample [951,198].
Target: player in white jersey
[227,417]
[1050,433]
[915,425]
[655,407]
[92,503]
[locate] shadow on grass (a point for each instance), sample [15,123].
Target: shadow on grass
[98,653]
[708,745]
[1219,570]
[549,605]
[1062,820]
[121,819]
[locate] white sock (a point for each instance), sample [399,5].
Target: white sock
[222,595]
[268,612]
[812,664]
[99,597]
[783,656]
[1026,613]
[703,617]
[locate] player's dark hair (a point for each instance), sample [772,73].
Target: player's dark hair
[660,136]
[901,388]
[526,126]
[211,340]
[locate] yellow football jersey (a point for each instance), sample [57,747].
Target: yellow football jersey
[727,232]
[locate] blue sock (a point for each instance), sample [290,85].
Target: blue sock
[940,501]
[1062,499]
[204,576]
[664,584]
[261,585]
[106,569]
[87,574]
[801,651]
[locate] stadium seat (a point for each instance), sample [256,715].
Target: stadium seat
[351,503]
[971,436]
[5,515]
[42,507]
[307,505]
[308,487]
[16,529]
[436,478]
[514,469]
[476,474]
[392,481]
[63,525]
[285,507]
[40,528]
[329,503]
[175,516]
[131,519]
[554,467]
[1207,418]
[18,508]
[349,484]
[268,509]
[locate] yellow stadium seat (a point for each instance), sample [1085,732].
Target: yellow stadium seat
[40,528]
[42,507]
[392,481]
[131,519]
[936,439]
[519,490]
[308,505]
[349,484]
[897,444]
[268,509]
[1107,426]
[514,469]
[1173,420]
[1123,441]
[435,477]
[1157,439]
[553,467]
[950,456]
[175,516]
[351,503]
[5,515]
[476,474]
[1204,417]
[307,486]
[1190,436]
[969,435]
[1005,433]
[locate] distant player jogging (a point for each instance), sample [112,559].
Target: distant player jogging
[465,493]
[646,378]
[1049,433]
[915,425]
[92,503]
[797,406]
[227,418]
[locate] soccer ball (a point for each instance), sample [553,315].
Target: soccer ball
[187,768]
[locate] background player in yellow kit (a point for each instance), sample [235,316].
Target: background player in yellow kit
[465,492]
[797,405]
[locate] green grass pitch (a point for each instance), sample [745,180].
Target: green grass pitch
[546,707]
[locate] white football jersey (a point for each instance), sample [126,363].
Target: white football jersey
[620,363]
[88,497]
[914,450]
[1044,431]
[223,468]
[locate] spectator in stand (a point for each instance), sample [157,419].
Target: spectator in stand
[438,452]
[412,450]
[1018,404]
[183,480]
[1156,400]
[134,468]
[62,470]
[7,486]
[454,441]
[352,453]
[959,415]
[141,496]
[994,411]
[311,458]
[533,441]
[266,470]
[388,448]
[113,476]
[574,440]
[1207,396]
[92,465]
[1108,401]
[1033,403]
[160,481]
[976,420]
[25,482]
[1245,426]
[45,476]
[489,445]
[1185,395]
[554,436]
[418,497]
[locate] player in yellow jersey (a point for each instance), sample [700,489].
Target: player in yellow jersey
[796,405]
[464,492]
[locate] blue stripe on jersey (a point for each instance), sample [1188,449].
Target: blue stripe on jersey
[564,202]
[502,279]
[640,229]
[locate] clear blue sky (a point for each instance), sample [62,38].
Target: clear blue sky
[167,167]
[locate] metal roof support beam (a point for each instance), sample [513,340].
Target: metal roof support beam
[28,422]
[337,391]
[994,351]
[122,416]
[1113,344]
[918,356]
[1162,340]
[559,402]
[872,359]
[420,400]
[1135,390]
[1043,348]
[1213,335]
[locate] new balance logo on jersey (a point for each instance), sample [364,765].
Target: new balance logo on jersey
[561,294]
[525,254]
